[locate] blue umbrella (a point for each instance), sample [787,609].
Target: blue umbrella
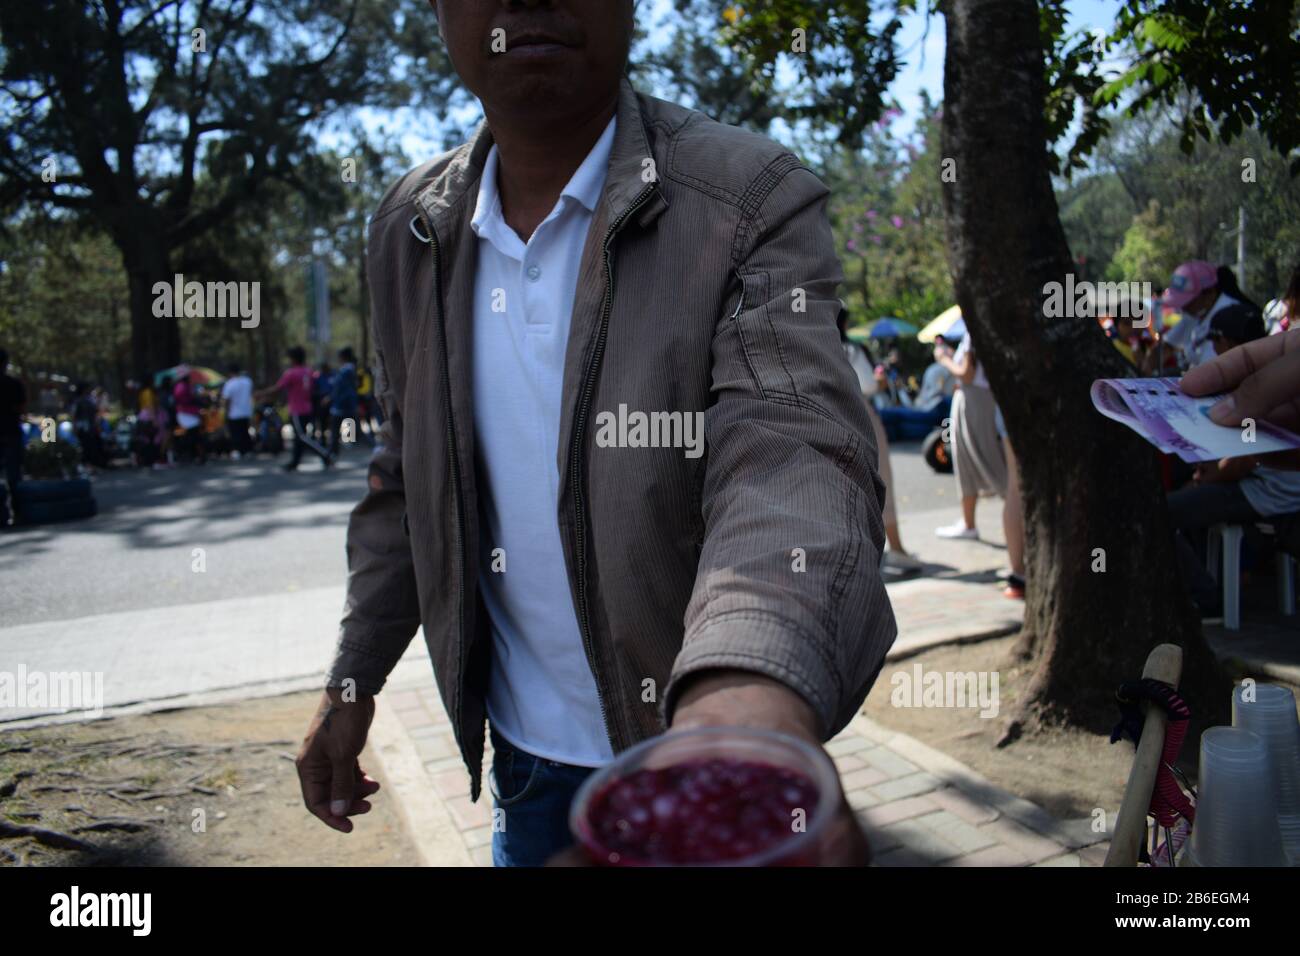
[891,328]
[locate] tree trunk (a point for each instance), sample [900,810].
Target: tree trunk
[155,341]
[1090,486]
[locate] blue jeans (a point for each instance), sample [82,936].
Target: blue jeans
[910,424]
[534,795]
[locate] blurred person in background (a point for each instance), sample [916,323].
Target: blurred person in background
[189,418]
[298,384]
[369,413]
[84,412]
[343,401]
[928,408]
[1198,290]
[1281,314]
[982,458]
[13,405]
[937,383]
[896,557]
[1241,490]
[1126,339]
[322,388]
[237,397]
[165,421]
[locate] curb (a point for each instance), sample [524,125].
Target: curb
[206,698]
[903,653]
[427,820]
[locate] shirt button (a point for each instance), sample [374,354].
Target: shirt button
[534,273]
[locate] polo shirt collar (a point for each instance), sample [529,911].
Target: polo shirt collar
[584,185]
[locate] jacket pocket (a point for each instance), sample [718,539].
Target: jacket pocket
[759,339]
[514,775]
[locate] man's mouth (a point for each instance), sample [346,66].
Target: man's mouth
[535,44]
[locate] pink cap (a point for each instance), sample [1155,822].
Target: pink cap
[1190,280]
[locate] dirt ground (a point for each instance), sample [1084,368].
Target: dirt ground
[134,791]
[1067,772]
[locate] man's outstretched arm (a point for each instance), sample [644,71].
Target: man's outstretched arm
[789,622]
[789,585]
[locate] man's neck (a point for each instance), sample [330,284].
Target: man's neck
[534,164]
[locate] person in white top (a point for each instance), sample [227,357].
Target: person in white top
[982,458]
[541,696]
[1199,290]
[237,394]
[1283,313]
[897,556]
[937,384]
[572,159]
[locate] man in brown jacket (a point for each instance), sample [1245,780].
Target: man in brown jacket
[626,480]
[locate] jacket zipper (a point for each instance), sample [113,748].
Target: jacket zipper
[579,428]
[455,472]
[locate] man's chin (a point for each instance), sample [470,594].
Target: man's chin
[539,97]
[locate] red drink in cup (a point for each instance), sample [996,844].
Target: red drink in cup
[716,796]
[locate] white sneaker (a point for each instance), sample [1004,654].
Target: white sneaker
[957,530]
[902,562]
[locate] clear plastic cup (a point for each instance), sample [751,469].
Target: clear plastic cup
[1236,821]
[1272,715]
[733,744]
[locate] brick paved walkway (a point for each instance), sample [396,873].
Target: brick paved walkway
[919,806]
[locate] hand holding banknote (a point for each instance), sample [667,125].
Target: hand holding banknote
[1194,418]
[1263,381]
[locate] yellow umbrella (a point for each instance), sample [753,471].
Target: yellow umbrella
[940,324]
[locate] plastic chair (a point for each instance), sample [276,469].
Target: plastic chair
[1226,539]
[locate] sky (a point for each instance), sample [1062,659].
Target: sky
[923,54]
[920,52]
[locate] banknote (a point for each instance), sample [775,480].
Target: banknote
[1110,402]
[1179,424]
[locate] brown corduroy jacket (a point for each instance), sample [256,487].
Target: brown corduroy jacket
[707,284]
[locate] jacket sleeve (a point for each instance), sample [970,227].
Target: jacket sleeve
[381,612]
[789,582]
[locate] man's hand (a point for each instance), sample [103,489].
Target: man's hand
[334,786]
[1263,378]
[725,698]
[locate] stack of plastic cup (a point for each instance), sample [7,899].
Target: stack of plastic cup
[1236,819]
[1272,714]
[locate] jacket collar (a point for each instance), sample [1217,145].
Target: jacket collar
[455,189]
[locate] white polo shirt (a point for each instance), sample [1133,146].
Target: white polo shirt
[542,695]
[1192,335]
[238,390]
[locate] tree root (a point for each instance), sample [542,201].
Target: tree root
[125,824]
[1011,733]
[71,768]
[51,838]
[8,787]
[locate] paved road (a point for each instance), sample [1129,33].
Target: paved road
[261,532]
[196,580]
